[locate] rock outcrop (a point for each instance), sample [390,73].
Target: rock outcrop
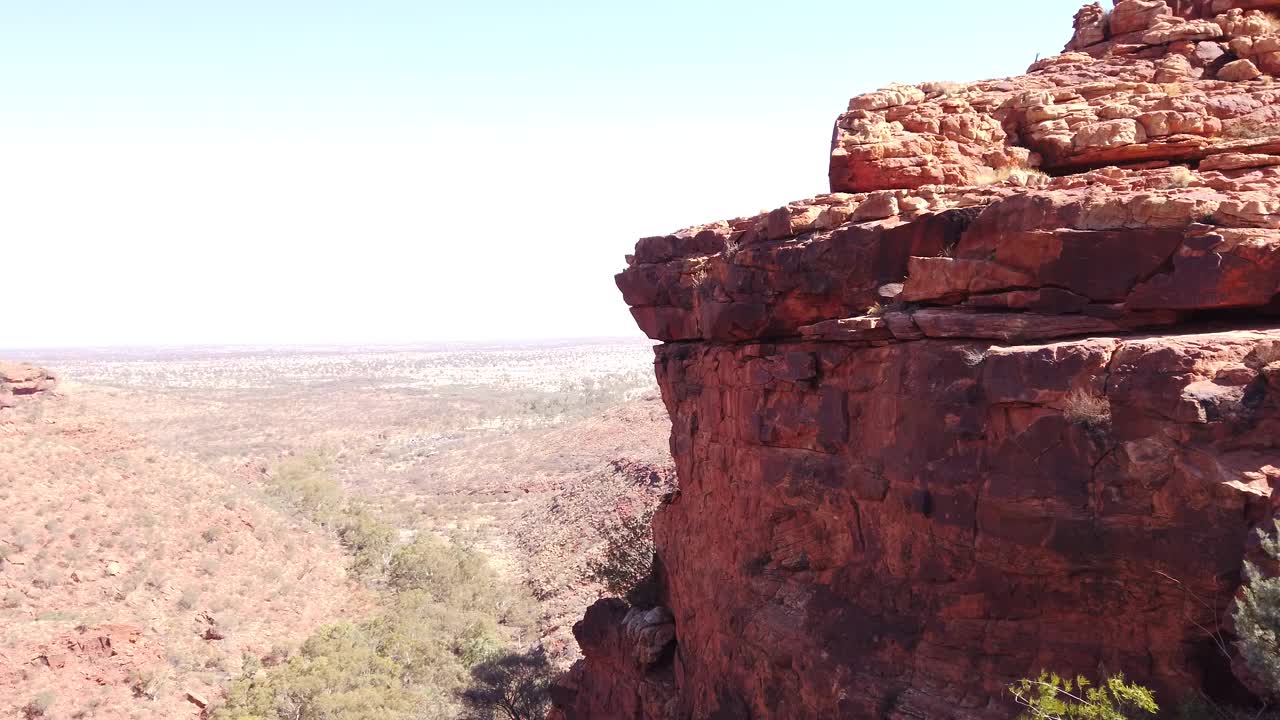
[1007,399]
[23,379]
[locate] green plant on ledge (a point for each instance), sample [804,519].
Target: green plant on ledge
[1050,697]
[1257,618]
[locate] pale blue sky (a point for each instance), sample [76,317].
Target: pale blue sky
[391,171]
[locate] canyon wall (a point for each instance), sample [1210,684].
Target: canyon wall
[1007,399]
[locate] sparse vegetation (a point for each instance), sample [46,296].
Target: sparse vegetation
[1018,176]
[1272,22]
[444,612]
[212,534]
[443,616]
[1181,176]
[941,88]
[510,687]
[1249,128]
[1050,697]
[1257,618]
[1086,409]
[625,561]
[337,675]
[39,706]
[145,682]
[369,541]
[303,482]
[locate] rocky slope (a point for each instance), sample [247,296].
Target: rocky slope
[1007,399]
[133,578]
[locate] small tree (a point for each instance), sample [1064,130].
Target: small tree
[626,560]
[369,541]
[1050,697]
[303,482]
[510,687]
[449,573]
[1257,620]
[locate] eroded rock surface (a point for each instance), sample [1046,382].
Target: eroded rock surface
[1005,400]
[23,379]
[1140,84]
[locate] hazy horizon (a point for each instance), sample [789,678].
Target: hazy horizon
[403,172]
[433,345]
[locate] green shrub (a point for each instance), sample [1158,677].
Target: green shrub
[412,659]
[369,541]
[337,675]
[450,574]
[1257,619]
[1050,697]
[625,562]
[435,644]
[304,482]
[510,687]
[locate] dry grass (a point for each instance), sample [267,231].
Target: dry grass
[1181,176]
[1271,21]
[940,88]
[1248,128]
[1091,410]
[1022,177]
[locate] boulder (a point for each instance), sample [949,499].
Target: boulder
[1239,71]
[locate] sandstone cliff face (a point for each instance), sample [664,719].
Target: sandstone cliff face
[962,420]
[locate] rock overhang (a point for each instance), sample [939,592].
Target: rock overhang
[1006,399]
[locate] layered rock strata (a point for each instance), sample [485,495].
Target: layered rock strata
[23,379]
[1141,84]
[1007,399]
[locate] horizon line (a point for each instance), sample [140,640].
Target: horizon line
[337,345]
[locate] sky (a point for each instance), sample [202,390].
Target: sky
[398,171]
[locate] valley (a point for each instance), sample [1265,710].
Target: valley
[150,555]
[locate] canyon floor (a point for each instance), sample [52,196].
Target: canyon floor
[134,515]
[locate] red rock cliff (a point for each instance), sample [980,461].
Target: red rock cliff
[1007,399]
